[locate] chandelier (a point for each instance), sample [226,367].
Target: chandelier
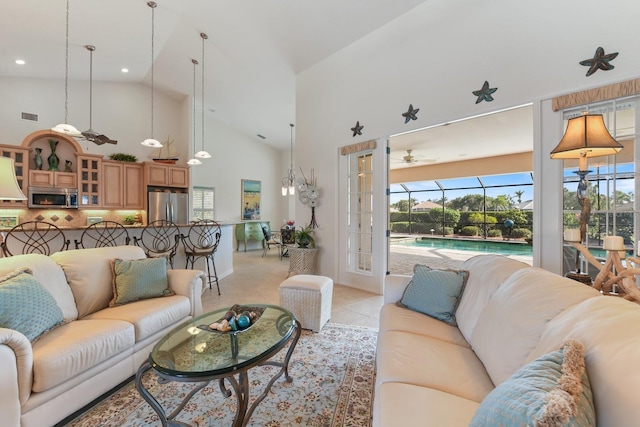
[289,182]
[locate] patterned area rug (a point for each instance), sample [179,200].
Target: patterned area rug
[333,377]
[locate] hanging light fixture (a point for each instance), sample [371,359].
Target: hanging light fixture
[193,161]
[90,134]
[202,154]
[289,182]
[66,128]
[151,142]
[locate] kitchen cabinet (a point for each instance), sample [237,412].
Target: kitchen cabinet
[250,230]
[157,174]
[89,181]
[41,178]
[20,158]
[122,185]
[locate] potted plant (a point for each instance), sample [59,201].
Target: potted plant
[304,237]
[122,157]
[129,219]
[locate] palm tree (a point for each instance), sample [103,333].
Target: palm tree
[519,194]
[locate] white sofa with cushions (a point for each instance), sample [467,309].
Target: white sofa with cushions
[510,318]
[97,346]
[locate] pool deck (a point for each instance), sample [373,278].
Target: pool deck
[403,258]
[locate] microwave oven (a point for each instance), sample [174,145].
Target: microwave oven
[53,198]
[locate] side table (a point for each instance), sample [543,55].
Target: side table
[302,260]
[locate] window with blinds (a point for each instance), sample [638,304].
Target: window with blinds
[203,203]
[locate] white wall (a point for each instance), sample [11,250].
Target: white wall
[122,111]
[434,57]
[237,156]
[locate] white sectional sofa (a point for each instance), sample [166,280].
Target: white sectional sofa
[97,347]
[432,374]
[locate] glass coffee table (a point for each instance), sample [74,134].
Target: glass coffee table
[194,353]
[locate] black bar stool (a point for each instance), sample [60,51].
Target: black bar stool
[202,242]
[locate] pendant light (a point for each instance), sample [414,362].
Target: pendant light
[289,182]
[151,142]
[202,154]
[90,134]
[66,128]
[193,161]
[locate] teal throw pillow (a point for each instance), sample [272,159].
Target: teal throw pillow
[435,293]
[138,279]
[26,306]
[551,391]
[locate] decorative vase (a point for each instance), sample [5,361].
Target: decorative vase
[53,158]
[67,166]
[38,158]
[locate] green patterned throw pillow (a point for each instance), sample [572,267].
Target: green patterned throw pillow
[435,293]
[551,391]
[138,279]
[26,306]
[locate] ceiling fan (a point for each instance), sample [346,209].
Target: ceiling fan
[90,134]
[409,158]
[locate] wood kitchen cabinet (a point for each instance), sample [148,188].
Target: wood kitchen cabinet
[157,174]
[41,178]
[89,181]
[122,185]
[20,158]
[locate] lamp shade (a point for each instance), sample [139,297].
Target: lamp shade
[9,188]
[586,136]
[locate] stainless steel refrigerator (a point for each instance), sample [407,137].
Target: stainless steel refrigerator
[170,204]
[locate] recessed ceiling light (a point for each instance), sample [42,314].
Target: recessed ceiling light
[125,70]
[20,61]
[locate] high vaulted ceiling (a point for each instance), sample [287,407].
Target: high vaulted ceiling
[253,52]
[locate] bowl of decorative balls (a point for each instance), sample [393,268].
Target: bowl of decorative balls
[239,318]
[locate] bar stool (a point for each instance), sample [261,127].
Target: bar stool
[103,233]
[201,242]
[159,239]
[34,237]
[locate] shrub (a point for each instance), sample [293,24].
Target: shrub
[469,230]
[438,230]
[521,233]
[400,227]
[494,233]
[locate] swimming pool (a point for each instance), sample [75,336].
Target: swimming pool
[503,248]
[486,246]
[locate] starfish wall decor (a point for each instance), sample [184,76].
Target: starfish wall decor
[600,61]
[484,94]
[357,129]
[411,114]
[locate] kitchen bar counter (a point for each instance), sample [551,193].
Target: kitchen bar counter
[223,256]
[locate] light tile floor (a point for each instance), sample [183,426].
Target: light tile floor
[256,279]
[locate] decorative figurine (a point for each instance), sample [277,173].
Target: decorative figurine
[38,158]
[53,158]
[67,166]
[600,61]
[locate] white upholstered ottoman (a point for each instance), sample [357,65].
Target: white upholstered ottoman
[308,298]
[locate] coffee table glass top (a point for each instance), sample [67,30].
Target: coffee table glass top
[189,351]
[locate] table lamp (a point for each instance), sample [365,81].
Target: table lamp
[9,188]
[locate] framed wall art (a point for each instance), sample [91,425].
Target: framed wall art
[8,221]
[250,199]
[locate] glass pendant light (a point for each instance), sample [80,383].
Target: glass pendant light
[151,142]
[193,161]
[202,154]
[65,128]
